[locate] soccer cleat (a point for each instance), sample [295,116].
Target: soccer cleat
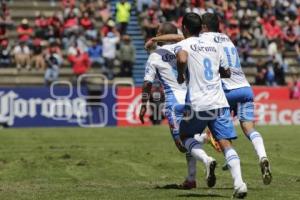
[188,185]
[240,192]
[265,171]
[210,173]
[211,140]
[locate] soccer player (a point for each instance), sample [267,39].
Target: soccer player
[209,107]
[237,89]
[162,63]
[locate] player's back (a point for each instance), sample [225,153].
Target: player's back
[162,63]
[231,59]
[205,87]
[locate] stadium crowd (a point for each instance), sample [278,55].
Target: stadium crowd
[86,34]
[83,34]
[258,26]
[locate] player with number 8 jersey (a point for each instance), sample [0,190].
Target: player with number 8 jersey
[205,87]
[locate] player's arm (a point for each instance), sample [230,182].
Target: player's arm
[146,92]
[163,38]
[150,73]
[182,57]
[225,72]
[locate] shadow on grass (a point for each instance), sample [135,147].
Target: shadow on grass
[178,187]
[169,187]
[202,195]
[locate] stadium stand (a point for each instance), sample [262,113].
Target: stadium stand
[270,54]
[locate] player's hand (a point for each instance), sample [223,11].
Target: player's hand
[180,146]
[180,79]
[142,113]
[149,44]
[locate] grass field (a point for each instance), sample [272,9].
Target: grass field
[133,163]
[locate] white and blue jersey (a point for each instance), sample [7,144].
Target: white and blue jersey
[231,60]
[237,89]
[204,85]
[162,64]
[208,101]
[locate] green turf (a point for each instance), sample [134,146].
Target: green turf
[133,163]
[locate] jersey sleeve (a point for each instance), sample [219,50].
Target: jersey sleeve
[150,70]
[180,46]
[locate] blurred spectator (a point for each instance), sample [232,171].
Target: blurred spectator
[53,63]
[194,9]
[270,76]
[260,40]
[150,24]
[68,3]
[296,90]
[88,6]
[5,58]
[109,52]
[56,23]
[260,78]
[37,55]
[233,30]
[68,6]
[25,32]
[41,25]
[127,56]
[143,4]
[5,22]
[70,24]
[168,8]
[290,36]
[272,30]
[95,53]
[88,25]
[279,74]
[103,12]
[244,48]
[80,62]
[107,27]
[123,15]
[297,47]
[21,54]
[54,48]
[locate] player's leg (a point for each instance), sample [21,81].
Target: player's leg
[223,130]
[246,117]
[187,130]
[174,116]
[190,180]
[207,138]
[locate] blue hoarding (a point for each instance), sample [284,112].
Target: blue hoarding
[54,107]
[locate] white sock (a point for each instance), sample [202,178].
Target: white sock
[194,147]
[258,144]
[233,161]
[191,167]
[201,138]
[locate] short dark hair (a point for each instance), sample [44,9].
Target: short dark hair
[192,22]
[211,20]
[168,28]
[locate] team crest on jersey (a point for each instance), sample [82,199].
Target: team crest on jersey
[177,48]
[168,57]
